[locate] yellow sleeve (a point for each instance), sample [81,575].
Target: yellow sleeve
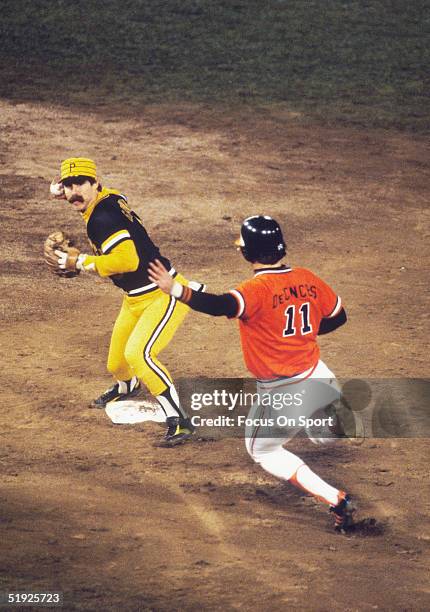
[122,258]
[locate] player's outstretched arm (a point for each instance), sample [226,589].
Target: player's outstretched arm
[209,303]
[158,274]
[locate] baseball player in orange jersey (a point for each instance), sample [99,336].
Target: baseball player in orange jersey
[281,311]
[148,318]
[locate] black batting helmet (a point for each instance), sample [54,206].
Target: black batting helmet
[261,240]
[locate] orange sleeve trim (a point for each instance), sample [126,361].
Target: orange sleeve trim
[240,301]
[336,308]
[187,294]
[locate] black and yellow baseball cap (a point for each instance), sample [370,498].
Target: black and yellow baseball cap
[78,166]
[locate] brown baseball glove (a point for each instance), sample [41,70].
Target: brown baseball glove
[60,255]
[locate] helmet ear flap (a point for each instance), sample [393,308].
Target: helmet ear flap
[246,254]
[241,246]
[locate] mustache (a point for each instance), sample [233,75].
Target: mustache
[76,198]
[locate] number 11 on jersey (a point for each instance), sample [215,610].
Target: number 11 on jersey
[290,327]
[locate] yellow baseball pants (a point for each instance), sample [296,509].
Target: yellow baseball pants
[144,327]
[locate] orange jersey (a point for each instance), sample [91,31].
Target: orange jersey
[280,310]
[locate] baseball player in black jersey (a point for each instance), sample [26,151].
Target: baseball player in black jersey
[148,319]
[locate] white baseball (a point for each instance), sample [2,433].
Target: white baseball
[56,189]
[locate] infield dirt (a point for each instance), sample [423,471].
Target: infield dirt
[95,510]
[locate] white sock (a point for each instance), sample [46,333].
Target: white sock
[308,480]
[127,386]
[169,401]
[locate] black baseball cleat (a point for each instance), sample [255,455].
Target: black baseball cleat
[343,514]
[114,393]
[179,430]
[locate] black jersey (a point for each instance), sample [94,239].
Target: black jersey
[111,221]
